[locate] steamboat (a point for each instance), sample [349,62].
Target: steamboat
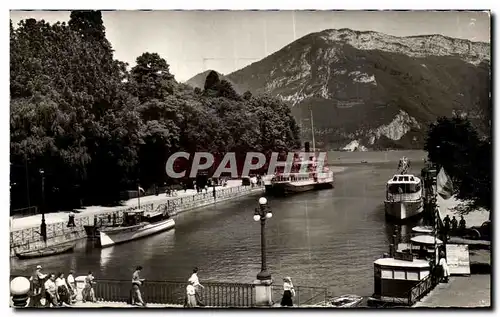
[404,194]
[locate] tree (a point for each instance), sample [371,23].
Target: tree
[151,78]
[211,81]
[455,145]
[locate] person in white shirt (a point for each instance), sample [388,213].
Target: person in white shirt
[37,282]
[51,291]
[71,285]
[62,289]
[288,292]
[197,286]
[444,267]
[191,295]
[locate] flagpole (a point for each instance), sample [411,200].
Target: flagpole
[138,196]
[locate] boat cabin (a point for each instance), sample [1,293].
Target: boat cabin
[135,217]
[404,184]
[394,278]
[132,217]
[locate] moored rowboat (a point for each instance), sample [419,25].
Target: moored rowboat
[47,251]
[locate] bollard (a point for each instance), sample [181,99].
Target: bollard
[19,289]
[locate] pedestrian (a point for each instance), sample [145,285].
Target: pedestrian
[137,281]
[62,289]
[213,192]
[461,226]
[446,222]
[71,220]
[52,298]
[70,279]
[191,295]
[454,225]
[37,285]
[197,286]
[288,292]
[445,273]
[88,291]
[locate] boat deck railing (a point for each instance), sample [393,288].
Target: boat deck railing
[409,197]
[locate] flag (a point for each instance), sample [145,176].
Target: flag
[444,185]
[140,189]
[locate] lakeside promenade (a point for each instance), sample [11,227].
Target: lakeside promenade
[62,216]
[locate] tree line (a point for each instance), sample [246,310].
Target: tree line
[96,127]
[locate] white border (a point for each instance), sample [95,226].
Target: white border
[185,4]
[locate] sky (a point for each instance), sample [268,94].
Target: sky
[196,41]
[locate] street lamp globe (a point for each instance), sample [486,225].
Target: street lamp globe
[269,215]
[262,200]
[256,217]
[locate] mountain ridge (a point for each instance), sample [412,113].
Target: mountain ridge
[375,89]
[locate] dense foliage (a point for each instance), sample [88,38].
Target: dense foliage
[455,145]
[96,128]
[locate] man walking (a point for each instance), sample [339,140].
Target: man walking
[37,286]
[136,296]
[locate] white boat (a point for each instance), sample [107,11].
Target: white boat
[296,182]
[404,195]
[136,224]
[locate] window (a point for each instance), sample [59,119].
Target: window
[423,274]
[399,275]
[412,276]
[387,274]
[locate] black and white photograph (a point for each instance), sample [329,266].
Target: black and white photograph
[278,159]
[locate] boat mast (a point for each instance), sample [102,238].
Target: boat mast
[312,130]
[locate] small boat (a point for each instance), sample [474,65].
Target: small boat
[136,224]
[47,251]
[345,301]
[404,194]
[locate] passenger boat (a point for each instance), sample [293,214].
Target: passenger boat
[47,251]
[296,182]
[136,224]
[404,194]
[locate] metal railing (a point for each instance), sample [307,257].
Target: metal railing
[171,292]
[304,295]
[421,289]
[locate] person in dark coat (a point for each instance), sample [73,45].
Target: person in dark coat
[461,226]
[288,292]
[454,225]
[446,222]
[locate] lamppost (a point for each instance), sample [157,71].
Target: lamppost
[262,213]
[43,226]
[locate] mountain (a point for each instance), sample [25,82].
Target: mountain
[371,89]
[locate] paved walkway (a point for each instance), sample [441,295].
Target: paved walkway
[460,291]
[120,305]
[33,221]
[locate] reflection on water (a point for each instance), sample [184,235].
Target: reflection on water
[327,238]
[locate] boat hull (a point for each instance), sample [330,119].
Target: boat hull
[115,236]
[49,251]
[280,189]
[402,210]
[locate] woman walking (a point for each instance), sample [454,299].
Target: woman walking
[445,273]
[288,292]
[88,291]
[62,289]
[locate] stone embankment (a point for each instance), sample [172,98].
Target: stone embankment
[25,232]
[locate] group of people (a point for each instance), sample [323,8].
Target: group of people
[56,290]
[452,227]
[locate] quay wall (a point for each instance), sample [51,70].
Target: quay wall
[29,239]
